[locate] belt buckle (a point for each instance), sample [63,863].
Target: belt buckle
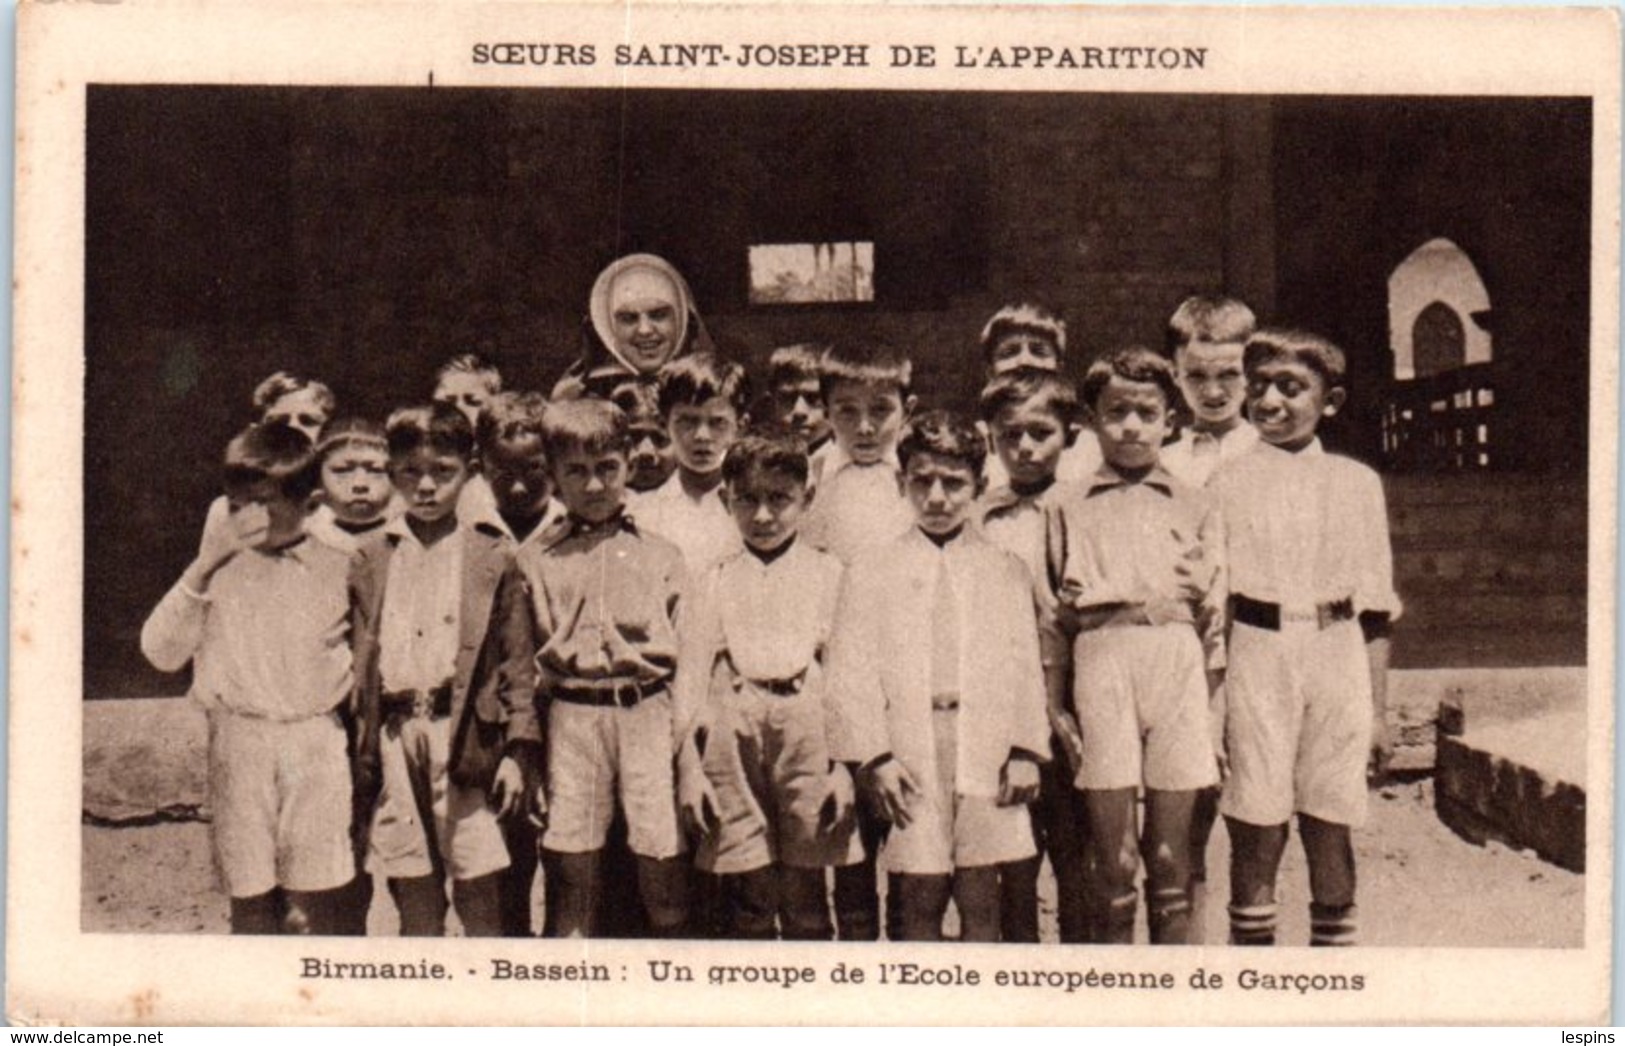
[422,704]
[628,694]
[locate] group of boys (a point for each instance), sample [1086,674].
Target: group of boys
[818,647]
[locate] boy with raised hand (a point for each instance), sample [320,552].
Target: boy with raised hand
[263,614]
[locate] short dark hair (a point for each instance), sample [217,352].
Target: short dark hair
[274,451]
[774,449]
[700,377]
[1024,318]
[350,432]
[286,383]
[510,416]
[1212,318]
[870,363]
[946,435]
[471,363]
[1048,391]
[591,425]
[1311,350]
[795,363]
[1134,363]
[439,427]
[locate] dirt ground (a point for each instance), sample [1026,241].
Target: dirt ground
[1420,885]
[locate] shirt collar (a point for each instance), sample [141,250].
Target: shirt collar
[840,459]
[575,526]
[1107,478]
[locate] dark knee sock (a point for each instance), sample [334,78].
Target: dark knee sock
[977,896]
[319,913]
[804,905]
[857,902]
[421,901]
[1329,849]
[1018,901]
[1255,860]
[752,904]
[572,893]
[663,884]
[479,904]
[921,902]
[260,915]
[520,878]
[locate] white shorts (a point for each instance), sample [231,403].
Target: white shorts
[955,831]
[1140,694]
[281,798]
[597,756]
[1298,728]
[418,792]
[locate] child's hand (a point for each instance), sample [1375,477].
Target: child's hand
[894,792]
[836,811]
[1018,782]
[697,805]
[1193,574]
[1066,728]
[508,788]
[1217,711]
[1382,749]
[537,814]
[237,531]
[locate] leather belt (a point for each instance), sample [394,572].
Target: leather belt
[1270,616]
[418,704]
[607,693]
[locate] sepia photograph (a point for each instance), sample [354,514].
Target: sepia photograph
[1014,526]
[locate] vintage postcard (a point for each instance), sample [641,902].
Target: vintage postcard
[1275,350]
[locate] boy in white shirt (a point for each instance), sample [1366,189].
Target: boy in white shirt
[263,614]
[1205,338]
[703,399]
[773,811]
[937,693]
[1312,601]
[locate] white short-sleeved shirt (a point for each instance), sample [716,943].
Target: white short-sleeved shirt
[701,528]
[1195,456]
[418,629]
[1306,528]
[858,507]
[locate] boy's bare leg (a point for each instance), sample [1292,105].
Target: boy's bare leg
[479,904]
[421,900]
[977,896]
[1112,839]
[520,877]
[752,904]
[1255,860]
[260,915]
[1330,852]
[1166,851]
[803,906]
[921,901]
[663,885]
[574,881]
[1203,818]
[1018,900]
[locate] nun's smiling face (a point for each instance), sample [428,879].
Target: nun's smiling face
[645,318]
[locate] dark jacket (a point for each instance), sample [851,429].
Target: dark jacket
[493,701]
